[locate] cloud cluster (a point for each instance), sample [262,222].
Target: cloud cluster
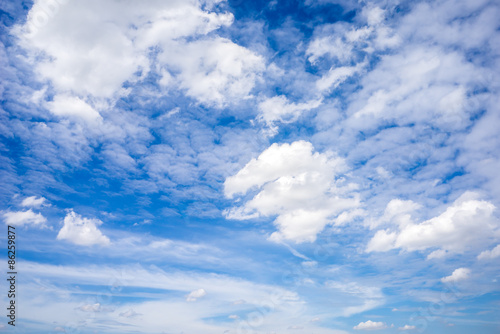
[21,218]
[459,274]
[465,225]
[370,325]
[82,231]
[303,188]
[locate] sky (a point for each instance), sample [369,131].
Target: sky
[251,167]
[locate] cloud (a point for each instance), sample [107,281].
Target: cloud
[214,71]
[370,325]
[21,218]
[335,77]
[468,223]
[279,109]
[407,328]
[459,274]
[490,254]
[362,297]
[195,294]
[73,107]
[33,201]
[90,52]
[91,308]
[302,188]
[82,231]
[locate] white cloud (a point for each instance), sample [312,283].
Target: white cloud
[407,328]
[195,294]
[21,218]
[467,224]
[33,201]
[302,188]
[233,316]
[370,325]
[459,274]
[91,307]
[82,231]
[279,109]
[87,51]
[335,77]
[73,107]
[490,254]
[214,71]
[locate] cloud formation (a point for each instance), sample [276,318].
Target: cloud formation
[467,224]
[303,188]
[370,325]
[21,218]
[82,231]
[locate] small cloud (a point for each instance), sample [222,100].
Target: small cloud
[195,294]
[437,254]
[315,319]
[21,218]
[129,314]
[91,308]
[33,201]
[487,255]
[233,316]
[59,329]
[407,328]
[457,275]
[370,325]
[82,231]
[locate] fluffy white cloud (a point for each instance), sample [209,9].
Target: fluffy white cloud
[195,294]
[73,107]
[467,224]
[214,71]
[370,325]
[90,50]
[459,274]
[33,201]
[343,45]
[21,218]
[407,328]
[82,231]
[490,254]
[305,190]
[279,109]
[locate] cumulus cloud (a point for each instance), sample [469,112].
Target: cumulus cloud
[407,328]
[82,231]
[33,201]
[370,325]
[467,224]
[73,107]
[21,218]
[195,295]
[88,51]
[490,254]
[459,274]
[303,188]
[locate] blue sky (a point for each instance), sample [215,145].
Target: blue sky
[207,166]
